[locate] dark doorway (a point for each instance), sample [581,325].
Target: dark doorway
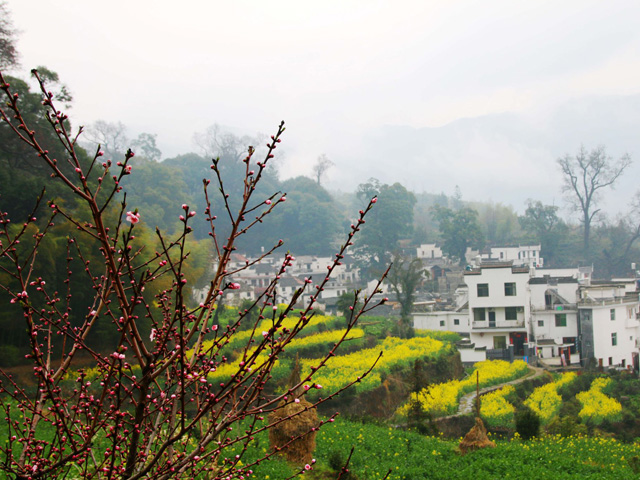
[518,339]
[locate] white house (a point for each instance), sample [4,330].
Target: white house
[554,321]
[609,327]
[565,319]
[520,255]
[429,251]
[498,305]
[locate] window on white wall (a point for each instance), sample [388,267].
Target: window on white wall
[511,313]
[483,289]
[510,289]
[612,313]
[614,339]
[561,319]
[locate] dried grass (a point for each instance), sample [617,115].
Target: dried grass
[476,438]
[301,418]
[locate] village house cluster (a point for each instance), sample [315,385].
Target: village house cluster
[508,305]
[505,303]
[254,276]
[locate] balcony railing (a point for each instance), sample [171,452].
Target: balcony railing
[479,324]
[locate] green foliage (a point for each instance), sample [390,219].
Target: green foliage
[542,224]
[499,223]
[158,190]
[347,303]
[409,455]
[307,222]
[527,423]
[390,221]
[460,230]
[566,426]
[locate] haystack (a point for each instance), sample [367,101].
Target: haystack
[299,422]
[476,438]
[301,418]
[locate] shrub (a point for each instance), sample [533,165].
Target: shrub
[527,423]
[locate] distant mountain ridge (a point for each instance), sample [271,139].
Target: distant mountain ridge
[506,157]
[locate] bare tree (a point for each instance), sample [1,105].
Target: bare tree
[111,136]
[585,175]
[405,276]
[321,166]
[215,142]
[8,51]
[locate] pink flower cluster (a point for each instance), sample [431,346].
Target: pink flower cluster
[133,217]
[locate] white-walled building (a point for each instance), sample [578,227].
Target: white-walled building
[520,255]
[564,319]
[555,318]
[429,251]
[448,321]
[609,327]
[499,306]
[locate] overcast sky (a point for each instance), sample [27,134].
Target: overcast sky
[333,70]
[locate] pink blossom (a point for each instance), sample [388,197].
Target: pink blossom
[374,199]
[152,335]
[234,286]
[265,334]
[318,386]
[297,400]
[127,170]
[307,467]
[268,202]
[214,327]
[133,217]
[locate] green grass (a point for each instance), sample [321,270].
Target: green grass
[411,456]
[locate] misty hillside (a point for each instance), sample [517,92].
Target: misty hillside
[509,153]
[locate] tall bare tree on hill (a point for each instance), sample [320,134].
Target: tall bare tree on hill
[321,166]
[8,51]
[585,175]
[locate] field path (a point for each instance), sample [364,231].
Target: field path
[467,402]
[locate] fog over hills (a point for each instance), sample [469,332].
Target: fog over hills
[506,158]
